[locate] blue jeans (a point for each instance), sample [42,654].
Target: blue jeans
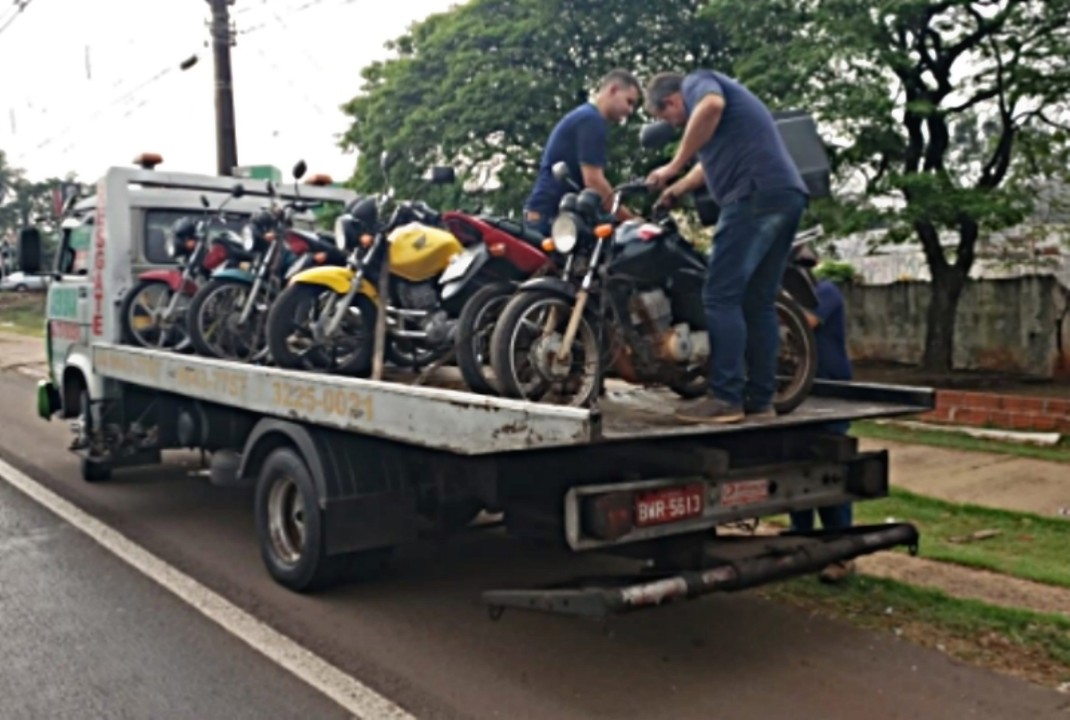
[752,244]
[833,517]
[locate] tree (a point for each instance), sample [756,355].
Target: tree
[480,87]
[25,202]
[941,113]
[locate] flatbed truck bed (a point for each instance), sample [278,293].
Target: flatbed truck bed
[441,416]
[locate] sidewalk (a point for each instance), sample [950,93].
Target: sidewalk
[996,481]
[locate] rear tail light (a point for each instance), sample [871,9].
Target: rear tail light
[609,516]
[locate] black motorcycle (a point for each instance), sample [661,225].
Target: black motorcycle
[630,300]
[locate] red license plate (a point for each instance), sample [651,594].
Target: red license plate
[668,505]
[744,492]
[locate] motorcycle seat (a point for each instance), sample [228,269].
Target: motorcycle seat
[528,235]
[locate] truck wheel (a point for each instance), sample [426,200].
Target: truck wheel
[93,469]
[290,527]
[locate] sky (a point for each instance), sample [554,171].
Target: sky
[87,84]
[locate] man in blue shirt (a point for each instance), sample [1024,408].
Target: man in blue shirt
[830,330]
[752,178]
[580,139]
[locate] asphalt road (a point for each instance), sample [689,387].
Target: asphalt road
[85,635]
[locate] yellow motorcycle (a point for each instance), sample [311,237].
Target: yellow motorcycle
[325,319]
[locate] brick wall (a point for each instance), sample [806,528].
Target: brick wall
[1006,412]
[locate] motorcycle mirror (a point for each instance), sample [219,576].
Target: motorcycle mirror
[238,190]
[299,169]
[204,202]
[270,188]
[656,135]
[560,171]
[442,175]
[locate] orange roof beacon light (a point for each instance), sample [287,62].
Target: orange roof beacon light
[148,160]
[320,180]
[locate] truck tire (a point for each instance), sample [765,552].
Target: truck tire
[93,470]
[289,524]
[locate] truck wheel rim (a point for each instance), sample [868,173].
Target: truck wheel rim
[286,521]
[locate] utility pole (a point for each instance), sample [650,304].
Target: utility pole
[222,38]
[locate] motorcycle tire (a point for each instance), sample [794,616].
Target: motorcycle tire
[502,356]
[475,316]
[129,336]
[280,323]
[790,314]
[195,311]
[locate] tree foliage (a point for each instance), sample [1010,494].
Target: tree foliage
[480,87]
[942,114]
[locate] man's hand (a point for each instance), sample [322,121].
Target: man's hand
[661,177]
[669,197]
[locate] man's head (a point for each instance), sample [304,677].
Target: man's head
[618,95]
[665,98]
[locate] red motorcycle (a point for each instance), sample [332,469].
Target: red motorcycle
[499,254]
[154,309]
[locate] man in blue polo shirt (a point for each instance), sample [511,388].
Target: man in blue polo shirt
[580,139]
[752,178]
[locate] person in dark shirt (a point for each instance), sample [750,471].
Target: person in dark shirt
[830,330]
[751,176]
[580,139]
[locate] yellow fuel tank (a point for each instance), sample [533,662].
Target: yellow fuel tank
[419,252]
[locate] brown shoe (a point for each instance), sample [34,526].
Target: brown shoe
[710,410]
[837,572]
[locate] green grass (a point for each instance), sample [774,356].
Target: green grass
[1024,643]
[1028,546]
[956,441]
[23,314]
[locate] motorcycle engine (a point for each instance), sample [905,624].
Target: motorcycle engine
[652,314]
[416,296]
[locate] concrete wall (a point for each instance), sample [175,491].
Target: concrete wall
[1019,326]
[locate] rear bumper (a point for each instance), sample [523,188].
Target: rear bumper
[734,564]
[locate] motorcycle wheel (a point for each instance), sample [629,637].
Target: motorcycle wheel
[530,381]
[213,336]
[474,328]
[300,305]
[174,337]
[797,358]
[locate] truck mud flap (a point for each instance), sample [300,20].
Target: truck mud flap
[798,554]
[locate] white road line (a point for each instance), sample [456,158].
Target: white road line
[347,691]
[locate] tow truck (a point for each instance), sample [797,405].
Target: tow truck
[347,469]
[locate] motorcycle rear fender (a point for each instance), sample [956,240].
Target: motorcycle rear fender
[173,278]
[337,279]
[555,286]
[233,274]
[798,285]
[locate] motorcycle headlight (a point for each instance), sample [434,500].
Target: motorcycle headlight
[248,238]
[564,232]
